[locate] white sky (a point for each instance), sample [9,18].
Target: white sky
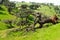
[56,2]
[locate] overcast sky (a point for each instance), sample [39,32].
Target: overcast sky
[56,2]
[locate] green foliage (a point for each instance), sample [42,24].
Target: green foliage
[3,9]
[4,14]
[31,17]
[46,10]
[24,6]
[34,7]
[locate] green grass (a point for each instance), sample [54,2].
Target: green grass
[4,14]
[3,26]
[47,33]
[8,17]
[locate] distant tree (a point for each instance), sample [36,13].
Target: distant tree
[8,4]
[50,5]
[24,6]
[33,6]
[5,2]
[57,9]
[1,1]
[11,6]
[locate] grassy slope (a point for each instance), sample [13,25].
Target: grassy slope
[4,14]
[50,33]
[3,26]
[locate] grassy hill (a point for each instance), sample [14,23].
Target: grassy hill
[47,33]
[4,15]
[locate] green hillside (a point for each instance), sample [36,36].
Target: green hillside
[17,17]
[50,33]
[4,15]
